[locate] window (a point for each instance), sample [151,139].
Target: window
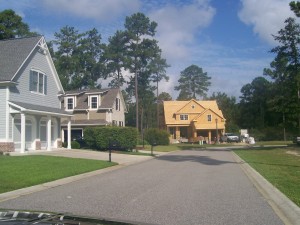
[120,123]
[70,103]
[38,82]
[94,102]
[209,118]
[184,117]
[118,107]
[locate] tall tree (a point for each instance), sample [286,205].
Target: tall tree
[114,57]
[138,29]
[285,68]
[253,103]
[158,67]
[12,26]
[295,7]
[193,82]
[77,58]
[65,59]
[89,54]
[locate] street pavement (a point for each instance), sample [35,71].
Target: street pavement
[184,187]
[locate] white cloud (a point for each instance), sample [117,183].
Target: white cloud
[103,10]
[179,24]
[266,16]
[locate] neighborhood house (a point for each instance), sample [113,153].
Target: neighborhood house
[190,121]
[96,107]
[30,106]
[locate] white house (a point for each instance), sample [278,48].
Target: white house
[30,90]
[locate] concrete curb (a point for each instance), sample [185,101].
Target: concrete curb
[286,210]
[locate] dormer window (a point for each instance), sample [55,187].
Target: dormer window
[70,103]
[209,118]
[184,117]
[94,102]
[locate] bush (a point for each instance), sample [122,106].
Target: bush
[75,145]
[90,137]
[111,137]
[140,141]
[155,136]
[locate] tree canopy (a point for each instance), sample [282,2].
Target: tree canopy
[193,82]
[12,25]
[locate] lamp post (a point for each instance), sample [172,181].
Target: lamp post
[217,133]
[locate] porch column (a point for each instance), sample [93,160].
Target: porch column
[48,133]
[209,136]
[177,133]
[7,115]
[69,133]
[62,135]
[23,134]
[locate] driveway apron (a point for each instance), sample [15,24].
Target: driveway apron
[185,187]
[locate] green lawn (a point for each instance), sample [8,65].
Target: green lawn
[24,171]
[278,167]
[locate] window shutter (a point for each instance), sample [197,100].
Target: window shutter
[45,84]
[31,81]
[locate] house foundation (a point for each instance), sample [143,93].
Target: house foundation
[7,147]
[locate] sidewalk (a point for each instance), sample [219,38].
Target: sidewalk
[121,159]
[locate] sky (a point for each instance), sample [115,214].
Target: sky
[229,39]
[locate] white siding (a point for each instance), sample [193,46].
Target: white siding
[118,115]
[21,92]
[2,112]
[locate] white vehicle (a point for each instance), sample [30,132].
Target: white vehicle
[230,137]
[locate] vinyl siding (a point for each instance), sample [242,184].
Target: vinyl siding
[118,115]
[21,92]
[82,115]
[94,115]
[2,112]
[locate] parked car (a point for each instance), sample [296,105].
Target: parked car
[230,137]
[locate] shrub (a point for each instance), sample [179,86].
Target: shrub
[90,137]
[155,136]
[111,137]
[75,145]
[140,141]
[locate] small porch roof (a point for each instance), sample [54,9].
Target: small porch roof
[98,122]
[37,109]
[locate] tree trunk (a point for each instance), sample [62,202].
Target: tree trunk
[157,108]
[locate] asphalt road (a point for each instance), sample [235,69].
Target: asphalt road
[186,187]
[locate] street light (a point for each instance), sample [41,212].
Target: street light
[217,133]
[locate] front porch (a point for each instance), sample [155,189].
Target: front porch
[34,127]
[190,134]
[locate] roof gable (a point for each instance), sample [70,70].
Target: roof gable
[205,112]
[191,106]
[172,108]
[13,53]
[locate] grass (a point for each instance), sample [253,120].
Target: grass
[24,171]
[278,167]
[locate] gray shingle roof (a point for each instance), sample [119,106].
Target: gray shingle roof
[13,53]
[38,108]
[107,101]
